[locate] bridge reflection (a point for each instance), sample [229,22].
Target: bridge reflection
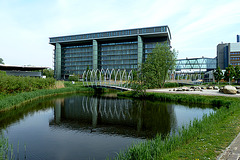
[106,115]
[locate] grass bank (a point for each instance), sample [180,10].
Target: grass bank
[202,139]
[182,98]
[9,102]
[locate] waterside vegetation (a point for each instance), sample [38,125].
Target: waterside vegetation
[201,139]
[13,84]
[17,90]
[12,101]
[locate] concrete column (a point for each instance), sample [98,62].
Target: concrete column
[58,60]
[95,54]
[140,51]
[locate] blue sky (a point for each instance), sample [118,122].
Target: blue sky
[196,26]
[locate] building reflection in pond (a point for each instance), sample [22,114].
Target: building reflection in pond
[126,117]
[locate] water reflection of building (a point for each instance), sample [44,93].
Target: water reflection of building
[114,116]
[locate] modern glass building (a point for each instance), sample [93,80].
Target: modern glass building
[196,64]
[122,49]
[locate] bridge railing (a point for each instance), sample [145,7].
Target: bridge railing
[120,78]
[182,77]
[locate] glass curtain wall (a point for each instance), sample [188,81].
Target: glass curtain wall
[76,59]
[148,47]
[198,63]
[122,55]
[150,43]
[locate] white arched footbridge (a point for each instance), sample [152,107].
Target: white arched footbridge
[114,79]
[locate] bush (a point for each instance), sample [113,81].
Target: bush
[171,85]
[73,78]
[13,84]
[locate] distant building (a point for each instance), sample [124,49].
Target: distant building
[228,53]
[238,38]
[22,70]
[122,49]
[196,65]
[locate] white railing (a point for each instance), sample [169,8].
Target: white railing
[119,78]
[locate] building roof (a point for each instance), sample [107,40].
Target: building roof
[20,68]
[113,34]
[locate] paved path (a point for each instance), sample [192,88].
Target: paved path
[232,152]
[203,92]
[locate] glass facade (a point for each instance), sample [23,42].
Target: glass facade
[121,55]
[124,49]
[196,63]
[76,59]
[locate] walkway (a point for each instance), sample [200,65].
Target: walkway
[232,152]
[203,92]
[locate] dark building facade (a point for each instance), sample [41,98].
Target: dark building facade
[222,55]
[228,54]
[122,49]
[238,38]
[25,71]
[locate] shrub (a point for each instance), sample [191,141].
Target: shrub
[13,84]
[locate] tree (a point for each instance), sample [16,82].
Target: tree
[229,73]
[1,61]
[157,65]
[237,74]
[49,73]
[218,74]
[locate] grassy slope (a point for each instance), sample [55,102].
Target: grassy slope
[203,140]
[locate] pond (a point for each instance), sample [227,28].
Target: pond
[90,127]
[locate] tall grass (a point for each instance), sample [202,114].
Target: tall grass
[14,84]
[4,147]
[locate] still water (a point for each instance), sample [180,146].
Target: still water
[90,127]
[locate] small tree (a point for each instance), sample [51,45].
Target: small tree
[49,73]
[157,65]
[1,61]
[218,74]
[237,74]
[229,73]
[137,84]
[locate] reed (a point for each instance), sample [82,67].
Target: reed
[4,147]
